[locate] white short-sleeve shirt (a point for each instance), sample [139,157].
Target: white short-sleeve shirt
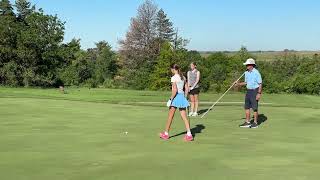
[180,83]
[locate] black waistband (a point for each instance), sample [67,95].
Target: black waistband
[252,89]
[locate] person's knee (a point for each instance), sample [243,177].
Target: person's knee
[172,108]
[255,107]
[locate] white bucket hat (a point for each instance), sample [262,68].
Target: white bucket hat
[250,61]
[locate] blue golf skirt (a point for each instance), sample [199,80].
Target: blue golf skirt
[180,101]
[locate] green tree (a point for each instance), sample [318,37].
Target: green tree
[160,76]
[24,9]
[215,71]
[39,45]
[84,67]
[8,36]
[88,68]
[164,27]
[179,42]
[6,8]
[106,66]
[71,52]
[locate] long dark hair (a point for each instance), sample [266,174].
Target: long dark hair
[177,68]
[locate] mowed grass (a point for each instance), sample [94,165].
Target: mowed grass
[81,136]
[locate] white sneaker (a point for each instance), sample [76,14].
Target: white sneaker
[195,114]
[190,114]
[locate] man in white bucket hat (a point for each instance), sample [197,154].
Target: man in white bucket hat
[253,81]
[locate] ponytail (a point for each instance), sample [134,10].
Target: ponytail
[181,75]
[177,68]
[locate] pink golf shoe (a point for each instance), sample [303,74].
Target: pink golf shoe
[164,136]
[188,138]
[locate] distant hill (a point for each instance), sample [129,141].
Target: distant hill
[267,55]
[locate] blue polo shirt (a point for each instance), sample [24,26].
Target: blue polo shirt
[253,79]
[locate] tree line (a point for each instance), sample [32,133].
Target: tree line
[33,53]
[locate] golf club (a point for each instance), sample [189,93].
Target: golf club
[221,97]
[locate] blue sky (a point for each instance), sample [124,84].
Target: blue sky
[209,24]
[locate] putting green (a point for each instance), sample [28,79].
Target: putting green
[68,138]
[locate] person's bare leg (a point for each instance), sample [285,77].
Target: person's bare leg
[256,115]
[184,117]
[192,103]
[196,103]
[172,110]
[248,115]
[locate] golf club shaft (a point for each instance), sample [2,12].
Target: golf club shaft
[221,96]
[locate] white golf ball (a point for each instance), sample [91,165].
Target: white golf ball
[126,132]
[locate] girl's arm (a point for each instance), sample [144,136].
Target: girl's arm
[186,89]
[197,81]
[174,91]
[188,76]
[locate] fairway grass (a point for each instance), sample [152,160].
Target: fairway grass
[81,135]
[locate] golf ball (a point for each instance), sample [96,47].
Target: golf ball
[126,132]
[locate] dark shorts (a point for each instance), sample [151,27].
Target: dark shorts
[195,91]
[250,101]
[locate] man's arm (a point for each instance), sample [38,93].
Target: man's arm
[237,83]
[240,83]
[259,80]
[259,92]
[260,89]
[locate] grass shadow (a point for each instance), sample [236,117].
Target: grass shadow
[202,111]
[262,119]
[196,130]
